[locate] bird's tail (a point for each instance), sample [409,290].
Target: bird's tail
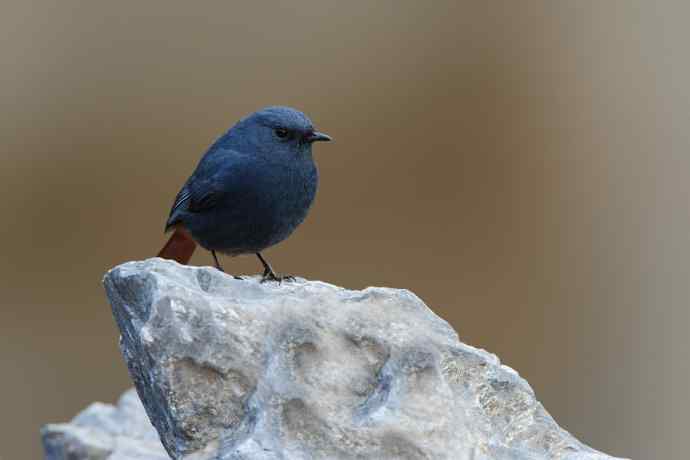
[179,247]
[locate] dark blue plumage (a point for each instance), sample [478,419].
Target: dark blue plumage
[253,186]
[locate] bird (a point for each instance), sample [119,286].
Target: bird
[251,189]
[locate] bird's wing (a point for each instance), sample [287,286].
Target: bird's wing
[197,195]
[203,195]
[179,206]
[181,199]
[203,189]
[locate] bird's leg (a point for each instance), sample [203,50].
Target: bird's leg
[269,274]
[215,259]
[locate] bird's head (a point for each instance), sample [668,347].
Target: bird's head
[276,131]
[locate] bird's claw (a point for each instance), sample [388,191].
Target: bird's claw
[270,276]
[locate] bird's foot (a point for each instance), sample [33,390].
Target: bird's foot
[234,276]
[271,276]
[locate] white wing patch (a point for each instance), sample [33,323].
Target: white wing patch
[182,197]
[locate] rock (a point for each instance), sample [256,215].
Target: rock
[102,431]
[236,369]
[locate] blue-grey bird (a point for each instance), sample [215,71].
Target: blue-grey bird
[250,191]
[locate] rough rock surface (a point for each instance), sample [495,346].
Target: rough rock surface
[236,369]
[102,431]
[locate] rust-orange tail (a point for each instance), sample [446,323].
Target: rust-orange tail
[179,247]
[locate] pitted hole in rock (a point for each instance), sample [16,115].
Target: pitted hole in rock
[205,280]
[301,423]
[304,355]
[397,446]
[206,401]
[369,356]
[420,368]
[300,348]
[322,438]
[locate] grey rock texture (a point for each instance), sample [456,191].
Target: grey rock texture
[105,432]
[235,369]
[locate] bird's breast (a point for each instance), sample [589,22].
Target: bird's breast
[285,199]
[294,192]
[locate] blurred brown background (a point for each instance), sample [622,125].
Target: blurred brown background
[522,166]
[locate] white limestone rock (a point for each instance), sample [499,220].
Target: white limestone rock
[105,432]
[236,369]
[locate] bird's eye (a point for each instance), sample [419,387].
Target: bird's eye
[281,133]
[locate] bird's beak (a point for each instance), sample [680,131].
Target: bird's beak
[318,137]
